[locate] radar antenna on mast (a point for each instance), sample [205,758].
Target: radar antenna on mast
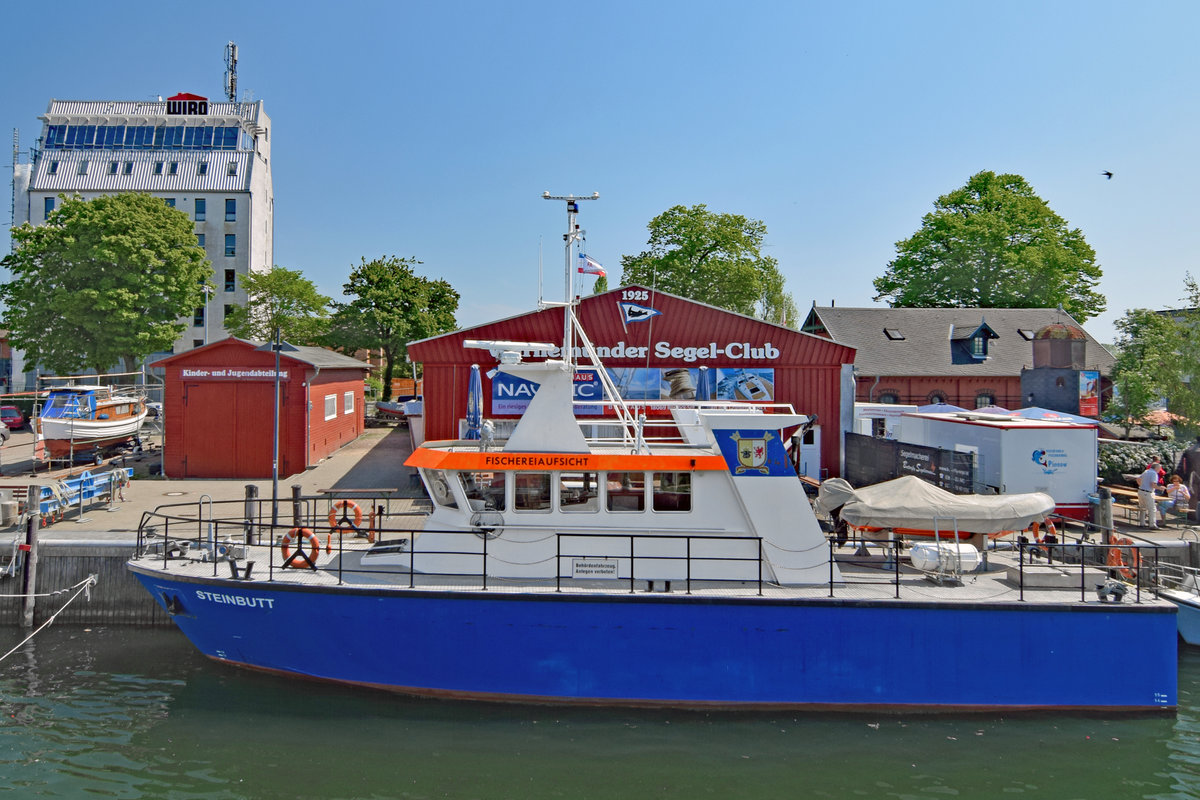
[231,72]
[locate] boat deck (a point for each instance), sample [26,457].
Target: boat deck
[873,580]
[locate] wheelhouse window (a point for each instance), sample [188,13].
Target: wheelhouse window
[439,487]
[579,491]
[532,491]
[626,491]
[672,491]
[484,490]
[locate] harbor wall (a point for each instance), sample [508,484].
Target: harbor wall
[117,598]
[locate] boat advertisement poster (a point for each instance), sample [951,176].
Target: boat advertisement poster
[511,395]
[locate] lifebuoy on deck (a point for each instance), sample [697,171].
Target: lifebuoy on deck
[1116,558]
[314,548]
[344,506]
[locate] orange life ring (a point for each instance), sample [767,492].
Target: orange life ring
[1117,560]
[314,544]
[335,522]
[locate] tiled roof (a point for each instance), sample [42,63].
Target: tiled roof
[66,177]
[924,348]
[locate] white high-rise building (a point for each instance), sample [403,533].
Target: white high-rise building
[209,160]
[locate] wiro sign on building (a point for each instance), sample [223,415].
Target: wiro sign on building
[187,104]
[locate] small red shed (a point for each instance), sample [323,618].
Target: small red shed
[217,409]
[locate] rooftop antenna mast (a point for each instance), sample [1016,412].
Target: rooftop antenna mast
[16,160]
[231,72]
[573,234]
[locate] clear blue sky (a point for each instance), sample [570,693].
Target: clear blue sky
[431,129]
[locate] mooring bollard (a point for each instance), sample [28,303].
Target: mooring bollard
[250,512]
[297,515]
[29,573]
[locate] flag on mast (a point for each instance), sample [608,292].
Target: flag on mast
[590,266]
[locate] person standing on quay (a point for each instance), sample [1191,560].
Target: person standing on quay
[1147,482]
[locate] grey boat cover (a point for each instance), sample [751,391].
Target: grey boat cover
[909,502]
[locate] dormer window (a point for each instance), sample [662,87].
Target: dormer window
[893,334]
[969,343]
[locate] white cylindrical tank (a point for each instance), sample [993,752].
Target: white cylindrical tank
[956,556]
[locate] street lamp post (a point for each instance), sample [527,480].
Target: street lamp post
[207,293]
[278,346]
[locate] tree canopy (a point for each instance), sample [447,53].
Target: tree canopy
[392,306]
[712,258]
[103,281]
[993,244]
[1158,358]
[280,298]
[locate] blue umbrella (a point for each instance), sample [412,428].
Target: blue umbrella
[474,403]
[704,385]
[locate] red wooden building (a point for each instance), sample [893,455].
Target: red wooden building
[656,346]
[217,405]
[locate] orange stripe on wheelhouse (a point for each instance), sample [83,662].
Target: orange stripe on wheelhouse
[477,461]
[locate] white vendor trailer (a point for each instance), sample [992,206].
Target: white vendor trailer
[881,420]
[1014,455]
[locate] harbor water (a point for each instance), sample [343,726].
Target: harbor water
[121,712]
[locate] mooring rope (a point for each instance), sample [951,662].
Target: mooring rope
[81,587]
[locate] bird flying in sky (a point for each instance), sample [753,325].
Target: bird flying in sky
[1107,174]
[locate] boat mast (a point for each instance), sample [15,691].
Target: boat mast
[573,234]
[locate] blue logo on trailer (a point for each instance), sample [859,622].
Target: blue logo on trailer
[751,452]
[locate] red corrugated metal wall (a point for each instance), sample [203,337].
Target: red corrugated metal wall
[326,436]
[807,369]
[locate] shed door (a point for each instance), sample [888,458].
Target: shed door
[227,432]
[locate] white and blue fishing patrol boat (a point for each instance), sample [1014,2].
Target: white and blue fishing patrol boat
[641,571]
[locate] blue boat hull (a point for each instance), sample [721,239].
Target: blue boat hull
[687,651]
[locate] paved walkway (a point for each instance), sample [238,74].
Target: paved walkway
[373,461]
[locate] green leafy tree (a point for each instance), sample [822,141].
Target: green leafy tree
[392,306]
[280,298]
[1147,358]
[102,281]
[993,244]
[712,258]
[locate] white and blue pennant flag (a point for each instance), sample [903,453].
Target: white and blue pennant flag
[590,266]
[632,312]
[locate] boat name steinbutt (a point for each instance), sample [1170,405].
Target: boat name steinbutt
[236,599]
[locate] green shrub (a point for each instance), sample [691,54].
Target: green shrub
[1128,458]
